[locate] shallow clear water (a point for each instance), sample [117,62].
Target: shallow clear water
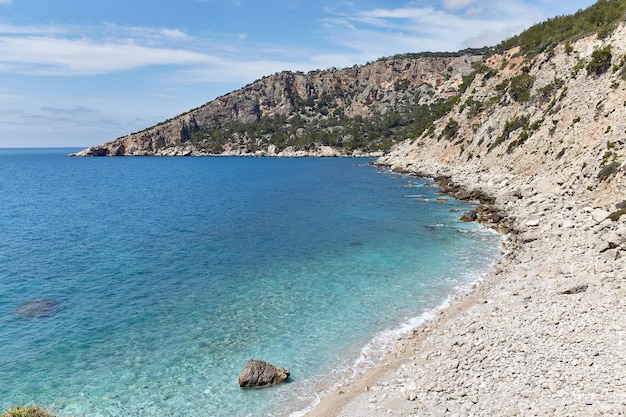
[170,273]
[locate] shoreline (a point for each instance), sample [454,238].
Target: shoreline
[348,394]
[394,340]
[394,343]
[533,336]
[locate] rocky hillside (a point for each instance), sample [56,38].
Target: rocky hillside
[350,111]
[557,119]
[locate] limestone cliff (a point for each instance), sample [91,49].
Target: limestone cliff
[318,99]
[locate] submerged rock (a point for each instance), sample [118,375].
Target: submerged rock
[37,308]
[259,374]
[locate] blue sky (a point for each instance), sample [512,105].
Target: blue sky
[76,73]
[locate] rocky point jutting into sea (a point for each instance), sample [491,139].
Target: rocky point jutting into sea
[544,136]
[320,114]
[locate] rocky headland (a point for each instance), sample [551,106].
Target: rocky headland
[329,113]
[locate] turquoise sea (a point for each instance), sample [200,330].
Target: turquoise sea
[161,277]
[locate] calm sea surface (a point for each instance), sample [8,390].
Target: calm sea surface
[163,276]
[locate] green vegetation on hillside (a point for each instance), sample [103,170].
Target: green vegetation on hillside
[601,18]
[376,133]
[600,61]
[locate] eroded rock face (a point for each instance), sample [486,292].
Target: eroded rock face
[37,308]
[259,374]
[371,89]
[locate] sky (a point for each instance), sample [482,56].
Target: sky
[76,73]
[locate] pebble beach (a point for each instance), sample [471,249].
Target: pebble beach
[542,334]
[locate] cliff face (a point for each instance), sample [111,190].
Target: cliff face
[558,121]
[395,83]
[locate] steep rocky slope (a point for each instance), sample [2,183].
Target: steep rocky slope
[557,119]
[324,101]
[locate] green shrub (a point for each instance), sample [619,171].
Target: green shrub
[520,87]
[522,138]
[480,67]
[510,126]
[617,214]
[474,106]
[579,65]
[600,61]
[600,18]
[451,129]
[401,85]
[546,92]
[619,65]
[503,85]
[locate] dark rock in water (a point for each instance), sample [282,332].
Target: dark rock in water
[469,216]
[259,374]
[37,308]
[356,243]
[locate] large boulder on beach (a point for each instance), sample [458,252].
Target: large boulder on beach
[37,308]
[259,374]
[469,216]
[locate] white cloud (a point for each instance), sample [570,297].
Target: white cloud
[174,34]
[358,36]
[7,29]
[457,4]
[55,56]
[6,1]
[456,25]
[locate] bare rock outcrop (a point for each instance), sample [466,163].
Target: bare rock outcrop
[395,83]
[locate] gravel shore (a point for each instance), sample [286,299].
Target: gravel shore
[542,334]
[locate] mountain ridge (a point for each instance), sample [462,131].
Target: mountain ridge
[320,99]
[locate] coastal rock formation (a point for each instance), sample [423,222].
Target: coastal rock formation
[314,98]
[469,216]
[260,374]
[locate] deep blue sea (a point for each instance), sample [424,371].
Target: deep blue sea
[163,276]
